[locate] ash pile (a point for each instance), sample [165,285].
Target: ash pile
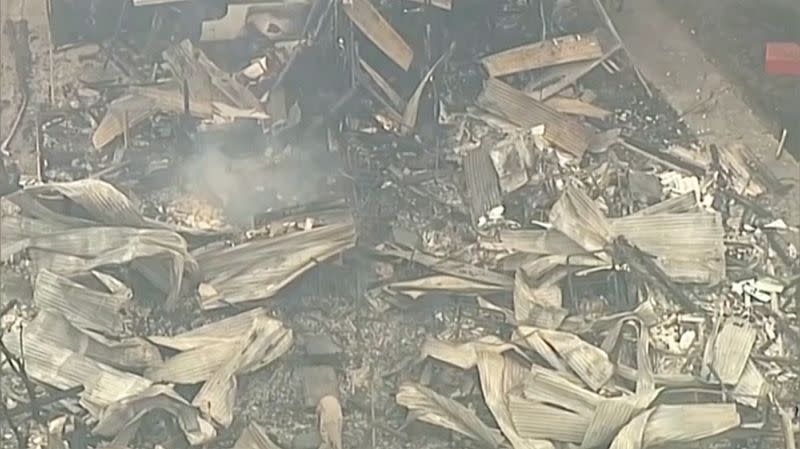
[363,223]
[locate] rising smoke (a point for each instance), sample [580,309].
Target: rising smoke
[244,186]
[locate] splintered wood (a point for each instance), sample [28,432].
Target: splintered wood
[370,21]
[561,50]
[515,106]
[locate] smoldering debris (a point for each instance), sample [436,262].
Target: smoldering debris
[360,223]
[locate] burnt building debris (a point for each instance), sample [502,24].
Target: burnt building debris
[347,223]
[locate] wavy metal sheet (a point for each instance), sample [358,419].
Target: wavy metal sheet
[520,109]
[540,421]
[483,183]
[689,247]
[433,408]
[732,350]
[259,269]
[83,306]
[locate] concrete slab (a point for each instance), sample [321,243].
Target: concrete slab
[673,62]
[734,34]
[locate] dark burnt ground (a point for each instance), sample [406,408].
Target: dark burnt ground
[649,119]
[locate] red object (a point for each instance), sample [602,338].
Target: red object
[783,58]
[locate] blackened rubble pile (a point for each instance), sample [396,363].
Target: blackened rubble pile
[349,223]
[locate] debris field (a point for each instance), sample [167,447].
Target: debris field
[376,224]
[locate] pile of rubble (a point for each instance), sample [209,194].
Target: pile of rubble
[357,223]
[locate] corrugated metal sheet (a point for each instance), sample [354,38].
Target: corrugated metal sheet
[411,111]
[515,106]
[531,337]
[589,362]
[195,365]
[17,227]
[85,307]
[56,262]
[226,329]
[551,387]
[630,436]
[52,364]
[645,381]
[101,200]
[259,269]
[688,247]
[687,423]
[732,350]
[228,261]
[580,219]
[498,375]
[85,249]
[539,421]
[611,415]
[433,408]
[464,355]
[258,348]
[483,183]
[752,386]
[540,307]
[545,317]
[207,348]
[127,353]
[97,241]
[122,415]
